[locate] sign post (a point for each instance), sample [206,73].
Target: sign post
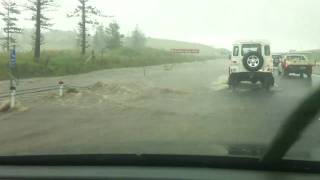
[13,58]
[12,65]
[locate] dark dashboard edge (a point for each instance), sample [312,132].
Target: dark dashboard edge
[240,163]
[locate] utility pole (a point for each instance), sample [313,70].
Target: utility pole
[8,31]
[38,32]
[84,30]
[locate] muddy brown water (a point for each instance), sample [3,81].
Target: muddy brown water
[187,109]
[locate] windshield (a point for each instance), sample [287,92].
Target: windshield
[276,57]
[246,48]
[153,77]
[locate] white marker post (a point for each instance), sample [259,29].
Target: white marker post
[61,84]
[13,97]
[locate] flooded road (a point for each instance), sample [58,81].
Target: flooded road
[169,109]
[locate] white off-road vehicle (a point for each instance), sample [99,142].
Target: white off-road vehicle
[251,61]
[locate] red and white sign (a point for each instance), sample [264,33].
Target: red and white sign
[185,51]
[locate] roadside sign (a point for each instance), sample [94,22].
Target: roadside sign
[185,51]
[13,58]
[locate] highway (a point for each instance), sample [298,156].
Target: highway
[169,109]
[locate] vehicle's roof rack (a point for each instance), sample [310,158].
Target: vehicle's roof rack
[263,42]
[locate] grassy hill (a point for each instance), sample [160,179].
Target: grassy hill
[60,56]
[67,40]
[171,44]
[53,40]
[313,55]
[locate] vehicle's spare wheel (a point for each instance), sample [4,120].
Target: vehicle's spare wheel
[253,61]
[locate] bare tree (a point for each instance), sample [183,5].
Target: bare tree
[86,14]
[39,9]
[9,14]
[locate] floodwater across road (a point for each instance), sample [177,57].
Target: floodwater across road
[174,109]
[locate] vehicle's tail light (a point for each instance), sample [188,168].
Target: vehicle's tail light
[235,62]
[286,64]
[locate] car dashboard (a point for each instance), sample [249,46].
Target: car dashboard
[130,172]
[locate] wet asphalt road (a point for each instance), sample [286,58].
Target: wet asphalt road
[180,109]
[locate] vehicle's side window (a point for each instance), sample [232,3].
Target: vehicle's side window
[236,51]
[303,58]
[267,51]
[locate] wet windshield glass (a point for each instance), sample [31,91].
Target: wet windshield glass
[296,58]
[276,57]
[246,48]
[154,77]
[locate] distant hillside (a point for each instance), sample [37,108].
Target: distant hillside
[60,40]
[171,44]
[311,54]
[55,39]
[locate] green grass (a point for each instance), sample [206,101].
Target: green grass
[66,62]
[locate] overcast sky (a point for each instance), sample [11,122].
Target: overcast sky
[287,24]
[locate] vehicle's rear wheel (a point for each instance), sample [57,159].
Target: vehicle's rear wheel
[301,75]
[267,87]
[286,73]
[233,82]
[233,87]
[267,83]
[309,75]
[254,82]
